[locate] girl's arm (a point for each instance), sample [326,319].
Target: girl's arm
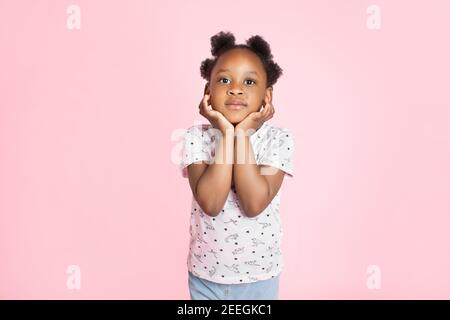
[254,191]
[211,184]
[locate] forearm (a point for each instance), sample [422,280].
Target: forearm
[252,188]
[214,185]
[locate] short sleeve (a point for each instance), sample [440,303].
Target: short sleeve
[194,148]
[280,151]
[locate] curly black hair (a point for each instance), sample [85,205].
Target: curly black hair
[224,41]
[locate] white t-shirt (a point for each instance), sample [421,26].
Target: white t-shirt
[231,247]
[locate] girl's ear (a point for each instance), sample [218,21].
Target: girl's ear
[268,95]
[206,91]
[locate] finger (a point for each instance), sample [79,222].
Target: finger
[259,115]
[265,101]
[206,101]
[201,106]
[273,111]
[266,110]
[204,107]
[202,102]
[205,104]
[271,114]
[270,111]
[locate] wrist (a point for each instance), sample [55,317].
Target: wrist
[228,132]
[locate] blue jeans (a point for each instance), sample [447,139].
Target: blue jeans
[202,289]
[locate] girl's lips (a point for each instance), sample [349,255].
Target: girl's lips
[234,106]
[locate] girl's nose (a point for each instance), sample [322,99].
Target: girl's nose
[235,91]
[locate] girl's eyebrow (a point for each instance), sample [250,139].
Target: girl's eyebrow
[224,70]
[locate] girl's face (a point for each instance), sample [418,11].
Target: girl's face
[238,75]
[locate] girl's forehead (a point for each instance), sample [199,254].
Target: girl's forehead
[239,59]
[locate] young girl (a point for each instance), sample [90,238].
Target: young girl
[236,165]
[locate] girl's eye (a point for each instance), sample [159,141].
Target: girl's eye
[251,81]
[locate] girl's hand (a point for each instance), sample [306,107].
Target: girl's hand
[216,118]
[256,119]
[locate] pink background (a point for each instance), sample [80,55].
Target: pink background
[87,175]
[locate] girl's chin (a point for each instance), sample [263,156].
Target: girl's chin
[234,120]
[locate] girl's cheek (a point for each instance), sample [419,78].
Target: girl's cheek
[215,103]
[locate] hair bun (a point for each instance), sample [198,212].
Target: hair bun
[260,45]
[221,41]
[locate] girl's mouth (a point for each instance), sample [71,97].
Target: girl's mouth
[234,106]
